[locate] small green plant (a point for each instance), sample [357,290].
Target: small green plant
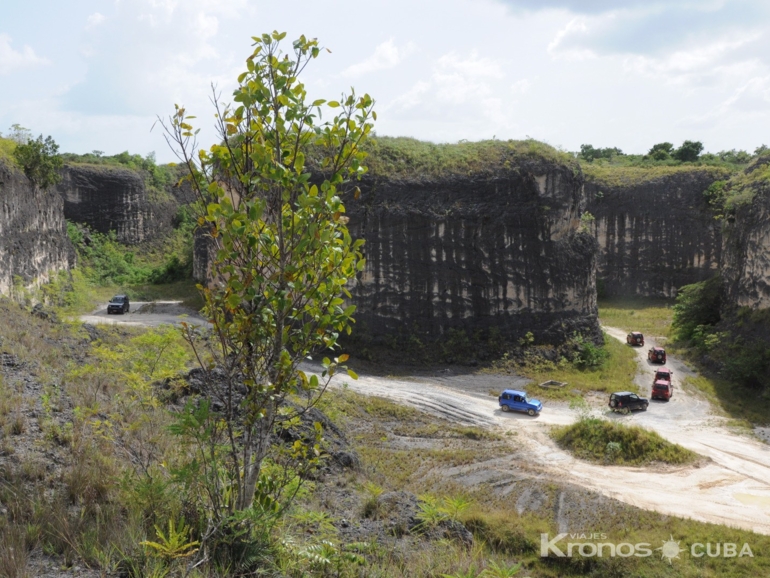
[175,544]
[372,508]
[494,570]
[587,221]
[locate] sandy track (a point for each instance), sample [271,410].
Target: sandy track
[733,488]
[146,314]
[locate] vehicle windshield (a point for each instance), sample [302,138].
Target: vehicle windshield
[662,375]
[117,299]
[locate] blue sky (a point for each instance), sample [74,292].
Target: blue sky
[95,74]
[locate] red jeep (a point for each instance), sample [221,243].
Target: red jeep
[635,338]
[656,355]
[662,385]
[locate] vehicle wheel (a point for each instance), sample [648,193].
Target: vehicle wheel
[626,411]
[644,407]
[505,408]
[531,412]
[613,403]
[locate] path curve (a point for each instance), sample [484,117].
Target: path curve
[731,488]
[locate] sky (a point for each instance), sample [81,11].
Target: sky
[97,74]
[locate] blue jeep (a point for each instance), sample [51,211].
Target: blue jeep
[514,400]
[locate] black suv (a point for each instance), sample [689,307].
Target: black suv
[118,304]
[625,401]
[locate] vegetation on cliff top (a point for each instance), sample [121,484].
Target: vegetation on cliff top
[620,175]
[725,196]
[403,157]
[158,178]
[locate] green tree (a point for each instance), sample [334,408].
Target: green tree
[19,134]
[688,152]
[661,151]
[40,161]
[589,153]
[284,256]
[697,305]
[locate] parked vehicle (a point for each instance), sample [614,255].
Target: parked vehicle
[635,338]
[656,355]
[118,304]
[625,402]
[662,384]
[514,400]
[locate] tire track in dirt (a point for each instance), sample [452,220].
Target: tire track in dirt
[733,488]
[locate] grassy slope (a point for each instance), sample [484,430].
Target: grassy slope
[649,315]
[615,175]
[504,535]
[408,157]
[616,374]
[7,147]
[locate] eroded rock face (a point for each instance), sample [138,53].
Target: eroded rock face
[106,198]
[33,238]
[655,234]
[500,251]
[746,252]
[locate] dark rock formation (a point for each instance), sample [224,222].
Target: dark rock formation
[655,230]
[746,247]
[33,238]
[499,251]
[106,198]
[112,198]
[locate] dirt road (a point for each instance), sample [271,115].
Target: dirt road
[732,488]
[147,314]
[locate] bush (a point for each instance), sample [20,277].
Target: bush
[40,161]
[697,305]
[588,354]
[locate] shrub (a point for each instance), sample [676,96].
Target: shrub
[40,161]
[697,305]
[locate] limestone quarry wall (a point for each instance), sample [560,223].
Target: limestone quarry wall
[746,248]
[111,198]
[655,231]
[500,251]
[33,238]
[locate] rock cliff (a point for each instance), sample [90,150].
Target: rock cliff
[112,198]
[33,238]
[106,198]
[499,250]
[488,248]
[655,229]
[746,248]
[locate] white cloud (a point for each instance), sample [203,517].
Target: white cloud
[754,96]
[12,60]
[568,41]
[683,65]
[94,20]
[522,86]
[386,55]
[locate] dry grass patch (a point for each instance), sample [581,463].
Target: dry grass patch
[650,316]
